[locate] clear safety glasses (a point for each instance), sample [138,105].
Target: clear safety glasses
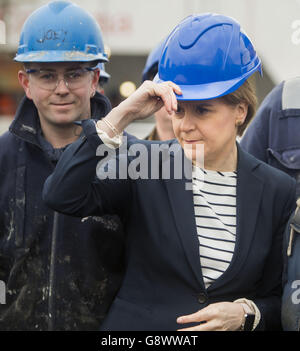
[49,80]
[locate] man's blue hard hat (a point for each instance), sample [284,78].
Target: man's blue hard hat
[60,32]
[104,76]
[208,56]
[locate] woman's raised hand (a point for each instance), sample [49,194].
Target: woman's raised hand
[146,100]
[149,98]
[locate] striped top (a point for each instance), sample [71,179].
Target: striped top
[214,195]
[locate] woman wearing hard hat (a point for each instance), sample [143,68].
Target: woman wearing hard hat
[204,257]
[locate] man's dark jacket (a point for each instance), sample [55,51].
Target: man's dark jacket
[273,135]
[60,272]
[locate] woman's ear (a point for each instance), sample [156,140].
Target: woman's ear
[242,111]
[24,81]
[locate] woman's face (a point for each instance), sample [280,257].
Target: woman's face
[210,123]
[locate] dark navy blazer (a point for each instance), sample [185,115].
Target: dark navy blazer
[163,278]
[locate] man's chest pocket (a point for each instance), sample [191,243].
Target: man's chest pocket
[288,161]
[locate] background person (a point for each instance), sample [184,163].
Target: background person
[163,129]
[290,311]
[103,79]
[273,136]
[59,271]
[206,259]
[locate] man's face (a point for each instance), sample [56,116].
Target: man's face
[65,103]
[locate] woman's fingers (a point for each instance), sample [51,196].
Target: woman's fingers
[166,92]
[199,316]
[149,98]
[173,89]
[216,316]
[167,95]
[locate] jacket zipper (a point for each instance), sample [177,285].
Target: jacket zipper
[52,280]
[51,300]
[51,294]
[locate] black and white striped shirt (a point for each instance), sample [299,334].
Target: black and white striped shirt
[214,196]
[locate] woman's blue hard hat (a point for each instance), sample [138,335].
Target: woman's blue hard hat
[207,56]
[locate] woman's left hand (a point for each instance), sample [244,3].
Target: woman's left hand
[216,316]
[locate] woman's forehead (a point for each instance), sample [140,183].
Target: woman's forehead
[203,103]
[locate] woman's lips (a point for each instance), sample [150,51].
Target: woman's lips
[191,141]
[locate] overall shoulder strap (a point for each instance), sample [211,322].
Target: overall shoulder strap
[295,226]
[290,94]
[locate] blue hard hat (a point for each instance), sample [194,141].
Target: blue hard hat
[60,32]
[104,76]
[151,66]
[208,56]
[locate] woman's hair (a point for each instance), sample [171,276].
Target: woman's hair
[246,94]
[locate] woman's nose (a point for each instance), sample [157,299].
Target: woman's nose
[187,123]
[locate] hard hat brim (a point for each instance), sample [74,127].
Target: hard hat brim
[59,56]
[104,74]
[210,90]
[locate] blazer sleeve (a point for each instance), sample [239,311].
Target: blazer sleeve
[74,188]
[268,300]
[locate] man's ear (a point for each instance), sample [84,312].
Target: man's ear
[24,81]
[96,78]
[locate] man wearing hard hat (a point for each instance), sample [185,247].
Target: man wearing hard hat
[57,272]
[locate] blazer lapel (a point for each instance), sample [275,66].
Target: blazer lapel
[182,205]
[249,193]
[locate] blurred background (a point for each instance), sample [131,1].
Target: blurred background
[132,28]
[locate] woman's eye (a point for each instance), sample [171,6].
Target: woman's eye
[179,110]
[201,110]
